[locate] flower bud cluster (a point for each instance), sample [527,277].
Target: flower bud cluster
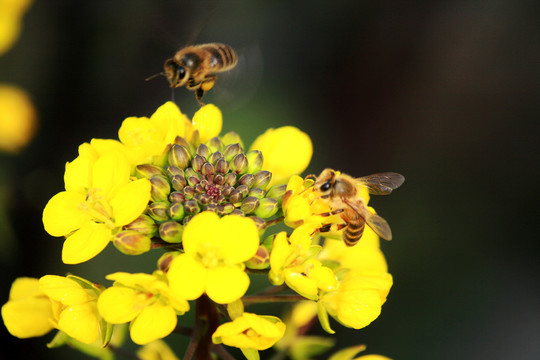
[215,176]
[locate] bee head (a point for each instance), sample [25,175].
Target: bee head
[175,73]
[325,182]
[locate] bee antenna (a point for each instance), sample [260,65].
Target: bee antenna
[154,76]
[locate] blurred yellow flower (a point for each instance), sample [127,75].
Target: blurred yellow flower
[250,331]
[11,12]
[287,151]
[156,350]
[215,250]
[28,311]
[17,117]
[145,301]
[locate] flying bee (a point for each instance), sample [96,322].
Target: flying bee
[341,193]
[195,67]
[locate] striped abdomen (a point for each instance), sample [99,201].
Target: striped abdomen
[222,57]
[354,229]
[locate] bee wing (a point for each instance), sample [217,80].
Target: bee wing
[374,221]
[381,183]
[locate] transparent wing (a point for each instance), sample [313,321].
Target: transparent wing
[381,183]
[374,221]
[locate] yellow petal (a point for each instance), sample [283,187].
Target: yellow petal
[118,304]
[25,287]
[287,151]
[28,312]
[208,121]
[85,243]
[187,277]
[130,201]
[201,229]
[110,171]
[156,350]
[64,290]
[62,214]
[171,122]
[238,238]
[226,284]
[80,322]
[154,322]
[78,174]
[301,284]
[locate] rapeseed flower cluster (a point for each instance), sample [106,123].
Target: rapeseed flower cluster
[214,210]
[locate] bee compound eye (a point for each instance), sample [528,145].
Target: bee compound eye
[180,72]
[326,186]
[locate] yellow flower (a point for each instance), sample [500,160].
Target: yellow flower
[287,151]
[17,118]
[350,353]
[145,301]
[310,278]
[11,12]
[156,350]
[208,121]
[28,311]
[99,199]
[215,250]
[358,298]
[250,331]
[301,205]
[74,306]
[148,137]
[291,252]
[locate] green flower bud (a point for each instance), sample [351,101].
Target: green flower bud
[191,172]
[222,166]
[255,161]
[178,182]
[204,199]
[176,211]
[231,138]
[143,225]
[243,189]
[177,197]
[160,188]
[164,261]
[192,207]
[231,151]
[182,141]
[174,170]
[197,162]
[131,242]
[158,211]
[208,169]
[260,223]
[267,207]
[199,188]
[225,209]
[179,156]
[214,157]
[262,179]
[227,191]
[189,192]
[277,192]
[214,144]
[203,151]
[171,232]
[148,170]
[230,179]
[211,207]
[246,179]
[256,192]
[261,259]
[235,196]
[238,212]
[219,179]
[239,164]
[162,159]
[249,204]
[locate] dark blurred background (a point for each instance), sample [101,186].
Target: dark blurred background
[444,92]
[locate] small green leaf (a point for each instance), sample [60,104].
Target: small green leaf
[307,347]
[348,353]
[251,354]
[323,318]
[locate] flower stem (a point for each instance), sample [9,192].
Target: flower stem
[257,299]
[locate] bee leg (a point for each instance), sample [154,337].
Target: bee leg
[330,213]
[199,93]
[329,227]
